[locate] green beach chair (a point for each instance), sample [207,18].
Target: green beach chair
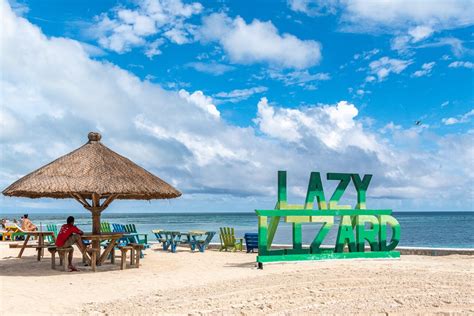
[105,227]
[228,240]
[141,238]
[52,228]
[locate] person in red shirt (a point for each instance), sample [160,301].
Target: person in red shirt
[69,235]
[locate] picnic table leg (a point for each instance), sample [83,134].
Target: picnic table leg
[41,244]
[85,256]
[65,260]
[112,255]
[124,260]
[137,258]
[106,251]
[192,242]
[132,257]
[24,246]
[53,258]
[93,260]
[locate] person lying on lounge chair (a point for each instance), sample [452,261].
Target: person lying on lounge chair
[69,235]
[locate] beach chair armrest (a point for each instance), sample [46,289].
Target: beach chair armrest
[144,237]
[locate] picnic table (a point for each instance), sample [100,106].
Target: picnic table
[40,236]
[97,239]
[172,239]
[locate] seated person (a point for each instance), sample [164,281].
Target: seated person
[27,225]
[69,235]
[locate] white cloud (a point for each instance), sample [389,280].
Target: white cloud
[212,68]
[282,125]
[298,77]
[202,101]
[314,7]
[384,66]
[181,33]
[48,107]
[463,64]
[411,21]
[420,32]
[457,45]
[360,92]
[370,79]
[122,29]
[425,69]
[416,16]
[459,119]
[258,42]
[445,57]
[19,8]
[333,125]
[153,49]
[366,55]
[444,104]
[238,95]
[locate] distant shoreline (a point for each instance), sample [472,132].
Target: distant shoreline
[32,211]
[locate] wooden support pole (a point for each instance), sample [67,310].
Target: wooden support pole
[109,200]
[95,200]
[95,221]
[95,227]
[81,200]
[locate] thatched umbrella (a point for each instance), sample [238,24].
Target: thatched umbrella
[94,175]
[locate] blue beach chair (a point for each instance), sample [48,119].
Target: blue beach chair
[251,241]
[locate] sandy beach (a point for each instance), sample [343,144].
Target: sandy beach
[217,283]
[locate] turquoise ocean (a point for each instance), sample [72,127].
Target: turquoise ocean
[418,229]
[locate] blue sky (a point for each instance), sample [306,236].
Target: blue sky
[216,96]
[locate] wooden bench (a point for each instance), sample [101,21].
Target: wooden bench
[135,250]
[124,250]
[27,246]
[37,247]
[62,252]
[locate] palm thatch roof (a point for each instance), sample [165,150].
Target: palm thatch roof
[92,169]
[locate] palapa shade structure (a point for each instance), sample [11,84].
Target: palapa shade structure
[95,176]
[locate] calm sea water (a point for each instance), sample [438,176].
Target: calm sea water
[420,229]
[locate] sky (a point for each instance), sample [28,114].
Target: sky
[215,97]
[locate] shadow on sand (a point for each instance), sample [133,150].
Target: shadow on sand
[29,266]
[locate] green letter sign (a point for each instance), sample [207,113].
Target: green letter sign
[357,226]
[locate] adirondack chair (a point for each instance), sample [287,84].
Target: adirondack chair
[130,239]
[228,240]
[52,228]
[142,238]
[105,227]
[119,228]
[251,241]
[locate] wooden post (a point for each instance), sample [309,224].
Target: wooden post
[95,227]
[95,221]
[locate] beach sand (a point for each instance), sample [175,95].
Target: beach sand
[218,283]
